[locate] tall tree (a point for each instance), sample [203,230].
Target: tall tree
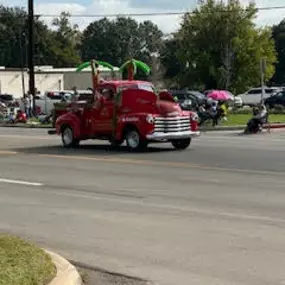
[221,47]
[65,41]
[278,34]
[119,40]
[13,38]
[58,48]
[169,59]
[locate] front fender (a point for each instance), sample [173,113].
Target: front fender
[71,120]
[136,120]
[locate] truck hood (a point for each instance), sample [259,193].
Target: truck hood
[169,109]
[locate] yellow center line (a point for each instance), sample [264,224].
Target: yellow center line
[160,163]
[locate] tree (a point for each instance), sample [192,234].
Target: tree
[169,59]
[220,47]
[278,35]
[120,40]
[66,41]
[58,48]
[13,38]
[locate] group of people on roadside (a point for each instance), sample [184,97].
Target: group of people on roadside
[216,112]
[22,113]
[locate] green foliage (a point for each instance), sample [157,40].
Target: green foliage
[169,59]
[120,40]
[278,34]
[13,38]
[57,47]
[220,47]
[65,42]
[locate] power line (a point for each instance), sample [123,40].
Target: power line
[153,14]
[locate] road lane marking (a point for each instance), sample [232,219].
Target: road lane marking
[161,163]
[8,152]
[190,210]
[20,182]
[27,137]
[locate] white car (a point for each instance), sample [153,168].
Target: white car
[46,103]
[253,96]
[238,102]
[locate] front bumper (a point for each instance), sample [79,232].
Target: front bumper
[156,136]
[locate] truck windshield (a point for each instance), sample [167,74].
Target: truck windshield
[141,86]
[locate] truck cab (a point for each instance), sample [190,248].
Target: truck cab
[128,111]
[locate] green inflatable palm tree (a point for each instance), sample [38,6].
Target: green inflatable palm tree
[94,69]
[133,65]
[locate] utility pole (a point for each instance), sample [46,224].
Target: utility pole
[31,52]
[22,63]
[262,75]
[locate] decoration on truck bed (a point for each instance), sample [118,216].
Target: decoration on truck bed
[94,64]
[133,65]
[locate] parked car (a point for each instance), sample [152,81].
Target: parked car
[46,102]
[188,100]
[8,100]
[253,96]
[277,99]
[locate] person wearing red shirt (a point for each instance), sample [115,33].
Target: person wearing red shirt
[21,117]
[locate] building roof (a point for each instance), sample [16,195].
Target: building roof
[51,69]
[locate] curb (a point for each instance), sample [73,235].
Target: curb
[25,126]
[202,129]
[66,274]
[237,128]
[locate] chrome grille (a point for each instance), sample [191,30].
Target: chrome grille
[171,124]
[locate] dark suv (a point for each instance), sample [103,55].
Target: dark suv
[188,100]
[8,100]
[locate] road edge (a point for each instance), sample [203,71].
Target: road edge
[202,129]
[66,274]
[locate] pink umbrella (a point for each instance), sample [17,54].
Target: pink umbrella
[220,95]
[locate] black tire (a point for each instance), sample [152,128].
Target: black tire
[181,144]
[134,140]
[68,139]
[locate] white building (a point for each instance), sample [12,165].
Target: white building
[15,82]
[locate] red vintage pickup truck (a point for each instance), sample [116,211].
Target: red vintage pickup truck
[128,111]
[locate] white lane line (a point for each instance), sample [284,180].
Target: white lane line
[21,182]
[42,137]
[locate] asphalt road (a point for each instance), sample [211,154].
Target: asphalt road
[213,214]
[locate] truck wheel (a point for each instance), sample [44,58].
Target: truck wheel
[181,144]
[135,141]
[68,138]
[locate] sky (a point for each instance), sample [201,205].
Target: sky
[167,24]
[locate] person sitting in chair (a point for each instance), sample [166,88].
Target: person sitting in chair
[259,118]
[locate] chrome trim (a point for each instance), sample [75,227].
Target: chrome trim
[172,135]
[172,124]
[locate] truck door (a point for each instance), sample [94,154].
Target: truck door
[104,115]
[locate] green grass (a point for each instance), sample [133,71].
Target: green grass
[242,119]
[22,263]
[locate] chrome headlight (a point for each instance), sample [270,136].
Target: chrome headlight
[150,119]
